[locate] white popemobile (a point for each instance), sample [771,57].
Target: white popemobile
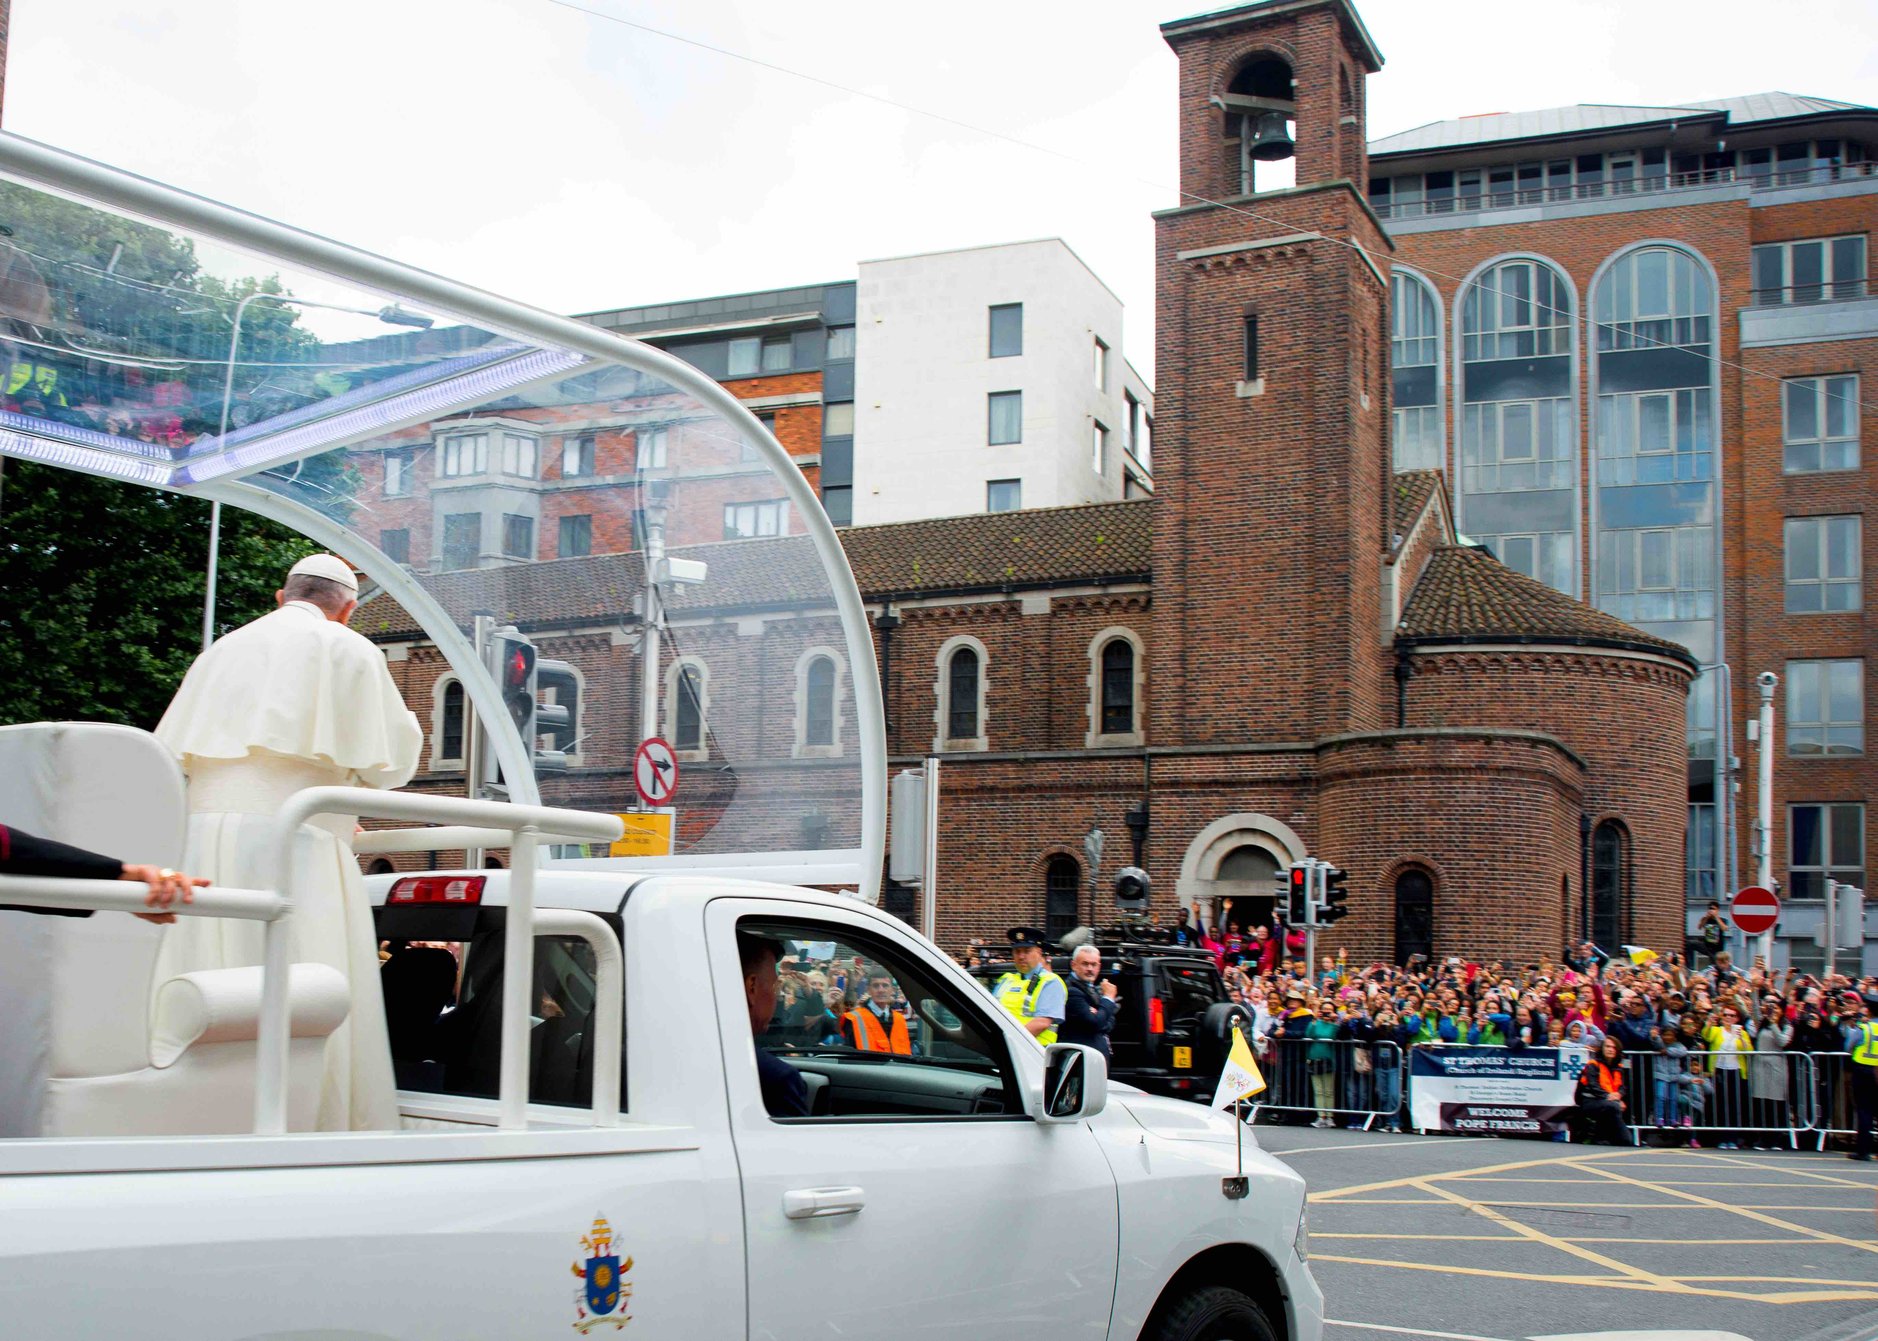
[588,1149]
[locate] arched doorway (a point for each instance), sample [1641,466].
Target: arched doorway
[1414,915]
[1062,896]
[1610,856]
[1249,877]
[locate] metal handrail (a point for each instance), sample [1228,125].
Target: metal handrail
[443,837]
[523,823]
[132,896]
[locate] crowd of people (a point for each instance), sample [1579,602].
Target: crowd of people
[1704,1051]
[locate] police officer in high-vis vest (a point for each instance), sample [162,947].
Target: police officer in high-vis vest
[1030,991]
[1862,1040]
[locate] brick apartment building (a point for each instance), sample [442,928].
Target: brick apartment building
[1637,340]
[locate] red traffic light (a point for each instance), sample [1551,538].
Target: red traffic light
[517,665]
[1300,879]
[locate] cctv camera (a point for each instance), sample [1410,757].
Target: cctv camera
[1767,679]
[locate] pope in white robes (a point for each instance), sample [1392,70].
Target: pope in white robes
[295,699]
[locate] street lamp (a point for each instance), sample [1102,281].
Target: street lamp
[391,314]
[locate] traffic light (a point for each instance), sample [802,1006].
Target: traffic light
[555,720]
[1298,894]
[520,674]
[1131,889]
[1334,896]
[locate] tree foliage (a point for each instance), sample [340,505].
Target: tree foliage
[103,585]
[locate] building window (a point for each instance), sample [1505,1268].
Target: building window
[519,455]
[577,456]
[650,443]
[748,356]
[1006,418]
[1062,897]
[1658,573]
[1653,298]
[518,536]
[1118,688]
[1812,271]
[1131,424]
[466,454]
[1824,842]
[462,540]
[1610,876]
[1655,437]
[840,343]
[1825,707]
[747,449]
[1414,915]
[817,709]
[748,521]
[778,354]
[838,503]
[576,540]
[1099,450]
[397,474]
[1417,439]
[1101,365]
[396,545]
[1509,446]
[1007,330]
[1518,309]
[687,698]
[449,743]
[1544,556]
[1004,495]
[962,695]
[1819,423]
[1823,567]
[1249,348]
[838,419]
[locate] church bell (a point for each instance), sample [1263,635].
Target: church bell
[1271,138]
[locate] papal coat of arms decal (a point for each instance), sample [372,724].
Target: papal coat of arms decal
[605,1291]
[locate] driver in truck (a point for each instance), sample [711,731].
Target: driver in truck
[784,1092]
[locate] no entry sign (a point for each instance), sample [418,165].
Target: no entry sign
[1755,910]
[655,772]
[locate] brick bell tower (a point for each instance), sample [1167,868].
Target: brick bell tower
[1271,518]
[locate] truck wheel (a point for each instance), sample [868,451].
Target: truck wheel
[1216,1027]
[1212,1313]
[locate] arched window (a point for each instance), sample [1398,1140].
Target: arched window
[1414,915]
[1062,896]
[1257,125]
[1656,445]
[962,695]
[1118,688]
[381,866]
[1517,486]
[448,742]
[688,709]
[819,710]
[1249,877]
[1417,436]
[1610,876]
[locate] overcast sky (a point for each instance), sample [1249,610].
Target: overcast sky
[578,163]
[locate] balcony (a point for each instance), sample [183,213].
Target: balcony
[1636,190]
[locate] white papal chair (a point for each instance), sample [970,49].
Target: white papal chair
[83,1049]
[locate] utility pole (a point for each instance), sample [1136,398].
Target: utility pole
[1764,816]
[1314,892]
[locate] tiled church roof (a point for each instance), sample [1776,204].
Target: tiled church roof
[1092,542]
[1466,595]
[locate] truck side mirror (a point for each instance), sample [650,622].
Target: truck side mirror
[1075,1083]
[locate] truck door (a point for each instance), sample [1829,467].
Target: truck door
[916,1196]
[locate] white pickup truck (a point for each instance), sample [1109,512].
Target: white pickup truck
[978,1186]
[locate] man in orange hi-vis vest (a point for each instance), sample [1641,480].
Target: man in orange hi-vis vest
[874,1025]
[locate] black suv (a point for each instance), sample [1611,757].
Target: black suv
[1175,1026]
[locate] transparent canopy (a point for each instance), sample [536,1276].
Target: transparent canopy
[473,457]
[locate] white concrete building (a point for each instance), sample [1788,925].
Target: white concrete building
[992,378]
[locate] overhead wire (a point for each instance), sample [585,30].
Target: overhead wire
[1305,234]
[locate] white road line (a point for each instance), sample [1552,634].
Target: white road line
[1414,1331]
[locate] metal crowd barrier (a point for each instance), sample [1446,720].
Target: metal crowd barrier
[1761,1095]
[1832,1096]
[1357,1085]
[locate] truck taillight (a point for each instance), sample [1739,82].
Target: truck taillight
[1157,1016]
[437,889]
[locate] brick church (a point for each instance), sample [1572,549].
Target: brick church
[1289,650]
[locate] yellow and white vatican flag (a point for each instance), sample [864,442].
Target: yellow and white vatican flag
[1241,1079]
